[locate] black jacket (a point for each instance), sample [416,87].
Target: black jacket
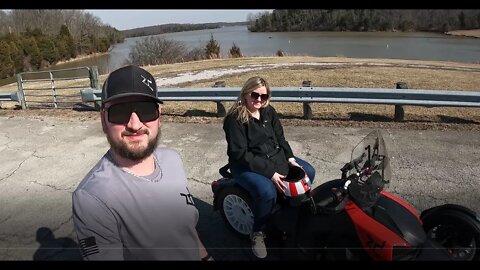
[258,144]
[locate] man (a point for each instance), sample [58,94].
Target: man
[134,204]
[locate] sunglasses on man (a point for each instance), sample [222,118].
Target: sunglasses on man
[146,111]
[255,96]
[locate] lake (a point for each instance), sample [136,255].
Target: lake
[393,45]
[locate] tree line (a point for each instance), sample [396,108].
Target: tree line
[33,39]
[174,27]
[425,20]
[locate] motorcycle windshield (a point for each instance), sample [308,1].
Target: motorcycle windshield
[370,159]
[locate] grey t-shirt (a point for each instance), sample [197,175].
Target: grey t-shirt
[120,216]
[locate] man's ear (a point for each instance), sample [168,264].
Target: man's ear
[104,123]
[159,116]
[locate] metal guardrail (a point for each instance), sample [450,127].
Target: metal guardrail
[306,95]
[398,97]
[417,97]
[54,88]
[9,96]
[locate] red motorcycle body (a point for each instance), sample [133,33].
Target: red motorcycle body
[354,218]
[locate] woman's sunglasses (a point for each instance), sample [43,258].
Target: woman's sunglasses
[255,96]
[120,113]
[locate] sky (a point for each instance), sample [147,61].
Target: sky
[124,19]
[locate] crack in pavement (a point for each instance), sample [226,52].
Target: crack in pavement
[8,140]
[21,163]
[40,157]
[329,161]
[5,219]
[14,238]
[48,185]
[15,170]
[405,195]
[197,181]
[70,218]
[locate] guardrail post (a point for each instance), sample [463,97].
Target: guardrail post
[399,112]
[97,105]
[93,75]
[21,96]
[221,112]
[307,109]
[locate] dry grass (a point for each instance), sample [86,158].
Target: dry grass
[365,74]
[358,77]
[342,72]
[435,76]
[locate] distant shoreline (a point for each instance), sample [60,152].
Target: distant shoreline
[80,57]
[466,33]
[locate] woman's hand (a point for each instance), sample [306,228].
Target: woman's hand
[293,162]
[277,180]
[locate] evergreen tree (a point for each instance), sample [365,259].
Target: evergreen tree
[235,51]
[66,44]
[212,50]
[48,50]
[32,52]
[6,62]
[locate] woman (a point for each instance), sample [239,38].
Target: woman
[259,155]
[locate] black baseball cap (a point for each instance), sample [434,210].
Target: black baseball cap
[129,81]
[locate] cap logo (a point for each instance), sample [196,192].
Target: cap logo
[147,82]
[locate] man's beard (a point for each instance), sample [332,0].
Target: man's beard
[123,150]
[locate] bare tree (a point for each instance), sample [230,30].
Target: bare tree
[196,54]
[88,27]
[157,50]
[4,22]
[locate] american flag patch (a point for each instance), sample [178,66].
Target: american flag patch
[88,246]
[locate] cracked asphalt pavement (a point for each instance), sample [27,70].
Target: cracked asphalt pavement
[43,160]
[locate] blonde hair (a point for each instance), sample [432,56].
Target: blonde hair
[239,106]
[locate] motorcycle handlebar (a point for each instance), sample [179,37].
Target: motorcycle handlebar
[334,196]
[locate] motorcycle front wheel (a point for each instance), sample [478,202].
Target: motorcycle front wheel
[236,210]
[457,232]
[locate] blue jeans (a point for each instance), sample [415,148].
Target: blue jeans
[262,190]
